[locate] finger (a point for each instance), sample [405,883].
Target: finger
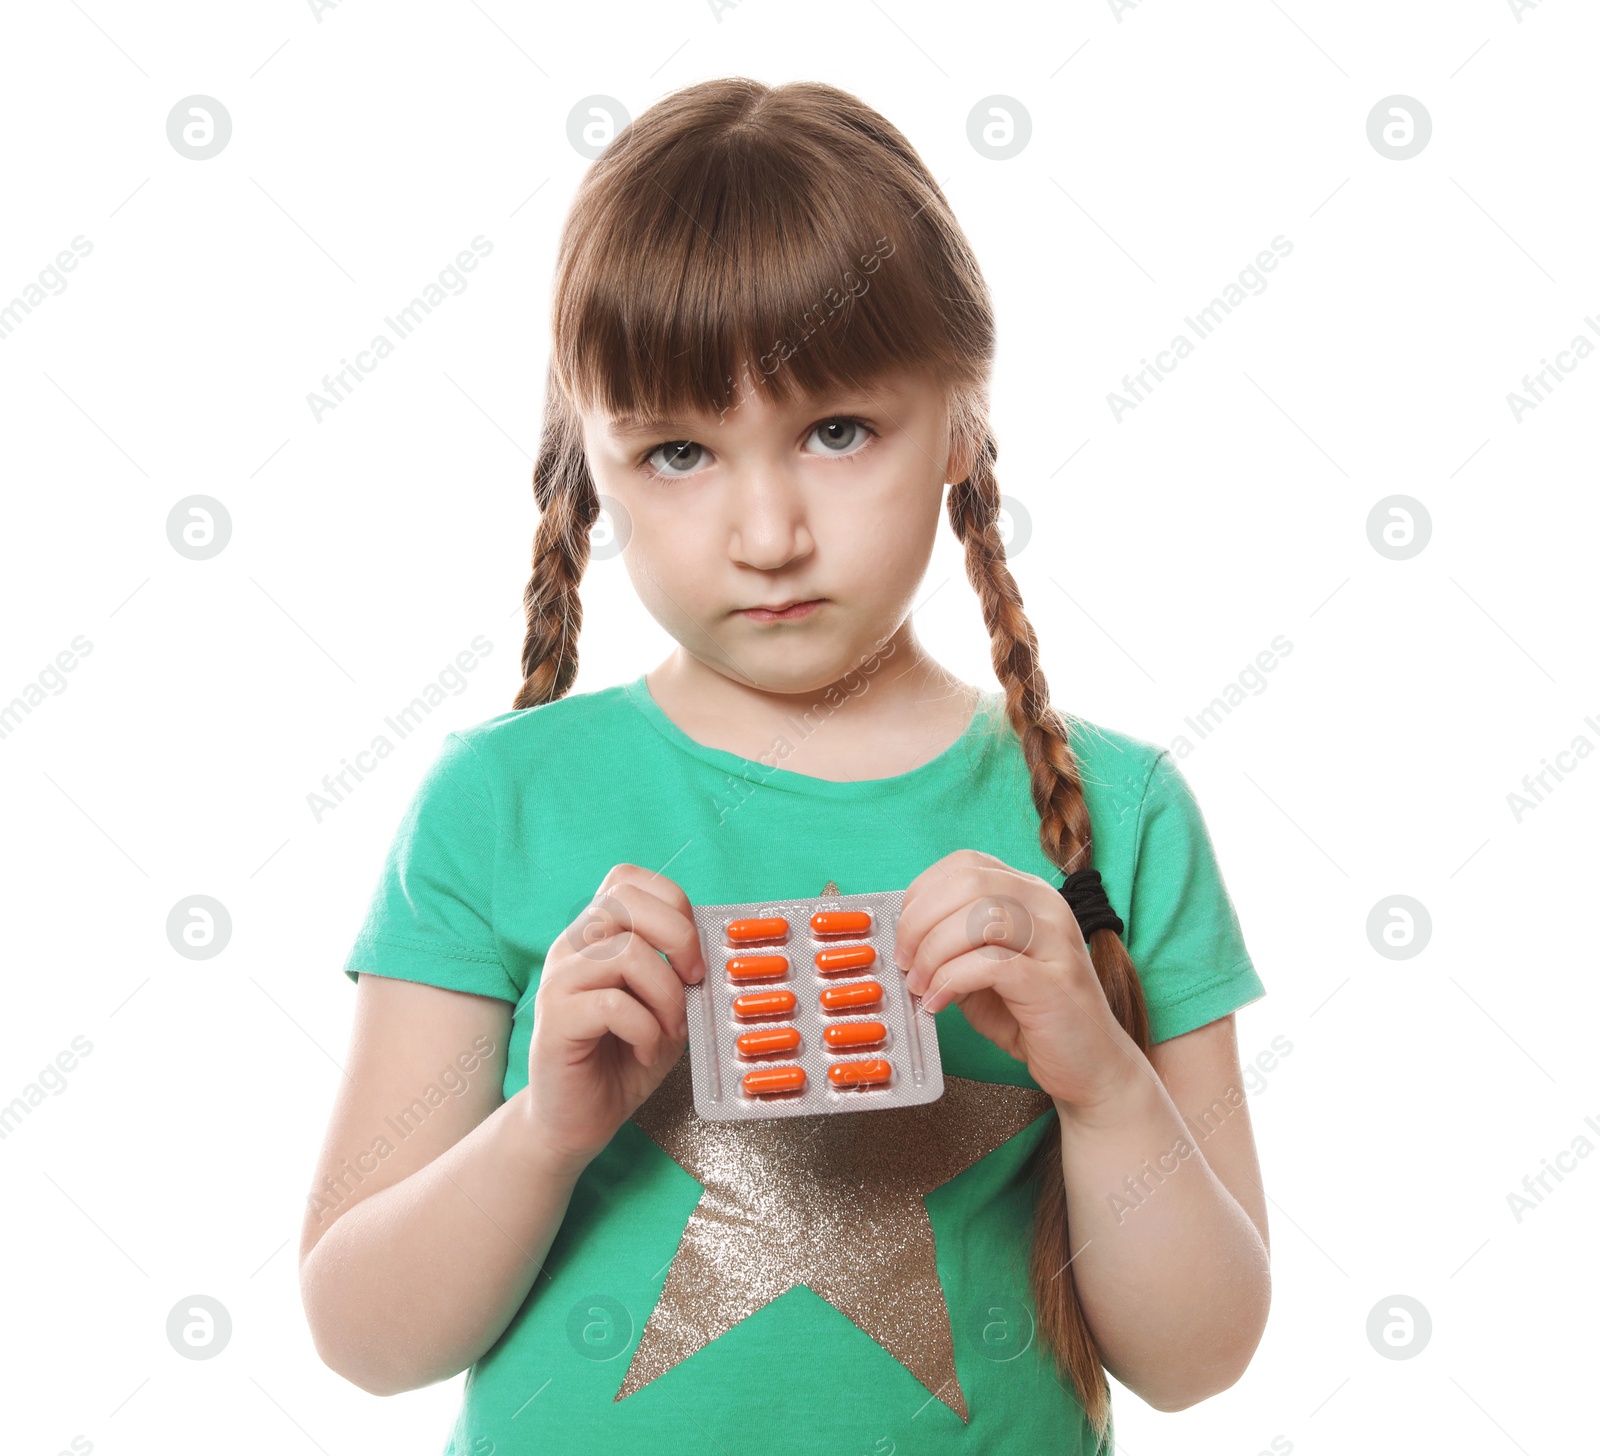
[630,963]
[977,970]
[649,905]
[945,885]
[975,903]
[652,881]
[995,925]
[1018,980]
[589,1016]
[940,871]
[923,904]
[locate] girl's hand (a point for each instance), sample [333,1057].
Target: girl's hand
[608,1017]
[1004,947]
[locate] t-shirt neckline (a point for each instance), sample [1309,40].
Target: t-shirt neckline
[955,759]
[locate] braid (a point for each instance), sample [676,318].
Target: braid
[1065,836]
[568,506]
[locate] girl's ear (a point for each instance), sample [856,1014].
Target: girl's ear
[963,456]
[967,420]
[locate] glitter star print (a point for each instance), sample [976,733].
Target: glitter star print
[832,1202]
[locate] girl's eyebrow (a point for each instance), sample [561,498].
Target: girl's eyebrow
[683,429]
[643,425]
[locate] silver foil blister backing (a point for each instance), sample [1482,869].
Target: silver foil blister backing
[911,1047]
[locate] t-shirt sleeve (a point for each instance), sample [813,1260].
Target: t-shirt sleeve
[431,914]
[1183,932]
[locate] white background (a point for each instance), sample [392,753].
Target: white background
[1170,144]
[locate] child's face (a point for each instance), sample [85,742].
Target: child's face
[836,497]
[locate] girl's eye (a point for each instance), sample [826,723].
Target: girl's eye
[841,436]
[676,457]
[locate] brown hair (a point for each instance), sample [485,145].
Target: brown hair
[792,234]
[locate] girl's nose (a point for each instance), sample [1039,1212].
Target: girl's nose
[768,526]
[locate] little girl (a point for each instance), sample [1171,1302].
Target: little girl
[771,347]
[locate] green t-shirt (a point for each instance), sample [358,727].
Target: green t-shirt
[503,846]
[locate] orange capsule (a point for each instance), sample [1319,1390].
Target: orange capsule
[768,1041]
[852,1034]
[850,998]
[841,922]
[757,968]
[846,958]
[763,1003]
[774,1079]
[769,927]
[871,1073]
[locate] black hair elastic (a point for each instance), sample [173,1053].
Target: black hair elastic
[1083,891]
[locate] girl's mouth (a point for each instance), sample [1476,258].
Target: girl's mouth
[792,613]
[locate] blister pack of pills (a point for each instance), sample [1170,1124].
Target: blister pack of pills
[803,1011]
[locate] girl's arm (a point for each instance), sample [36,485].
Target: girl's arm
[1165,1210]
[435,1201]
[1168,1220]
[413,1260]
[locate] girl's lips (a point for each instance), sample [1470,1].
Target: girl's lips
[789,614]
